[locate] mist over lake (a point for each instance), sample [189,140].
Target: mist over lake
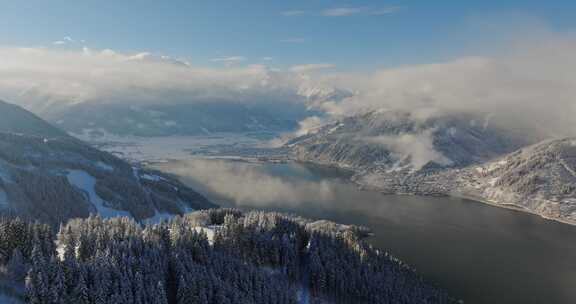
[481,254]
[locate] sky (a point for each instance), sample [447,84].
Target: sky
[343,35]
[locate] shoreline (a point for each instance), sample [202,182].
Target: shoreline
[509,206]
[353,172]
[470,197]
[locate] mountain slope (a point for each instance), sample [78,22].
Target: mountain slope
[48,175]
[397,153]
[395,141]
[169,119]
[16,120]
[540,179]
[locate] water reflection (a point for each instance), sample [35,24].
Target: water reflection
[480,253]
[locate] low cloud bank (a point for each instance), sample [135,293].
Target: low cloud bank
[40,79]
[419,148]
[249,185]
[531,84]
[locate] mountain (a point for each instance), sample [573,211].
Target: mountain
[540,179]
[396,141]
[18,121]
[48,175]
[168,119]
[461,155]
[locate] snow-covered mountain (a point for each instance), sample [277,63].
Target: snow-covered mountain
[48,175]
[540,179]
[168,119]
[462,155]
[402,141]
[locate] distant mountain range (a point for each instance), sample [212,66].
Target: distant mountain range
[453,154]
[48,175]
[176,119]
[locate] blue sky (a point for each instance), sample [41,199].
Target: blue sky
[353,35]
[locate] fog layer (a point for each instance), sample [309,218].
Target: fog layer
[249,185]
[521,85]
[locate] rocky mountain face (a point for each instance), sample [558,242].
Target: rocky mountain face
[540,179]
[47,175]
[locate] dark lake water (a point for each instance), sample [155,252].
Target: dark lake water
[479,253]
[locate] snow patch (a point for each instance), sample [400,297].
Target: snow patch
[104,166]
[158,218]
[209,232]
[152,177]
[492,181]
[335,128]
[87,183]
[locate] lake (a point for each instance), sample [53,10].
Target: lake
[479,253]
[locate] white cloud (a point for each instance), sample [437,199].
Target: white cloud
[46,79]
[63,41]
[140,56]
[237,181]
[532,83]
[311,67]
[86,51]
[342,11]
[418,147]
[309,125]
[530,86]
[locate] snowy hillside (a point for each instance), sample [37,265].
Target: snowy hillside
[403,141]
[461,155]
[50,176]
[540,179]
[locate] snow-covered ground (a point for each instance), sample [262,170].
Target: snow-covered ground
[137,148]
[158,218]
[87,183]
[209,232]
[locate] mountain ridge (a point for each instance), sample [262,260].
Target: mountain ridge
[48,175]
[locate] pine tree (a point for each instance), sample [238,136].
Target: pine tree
[161,297]
[32,294]
[80,293]
[57,286]
[16,267]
